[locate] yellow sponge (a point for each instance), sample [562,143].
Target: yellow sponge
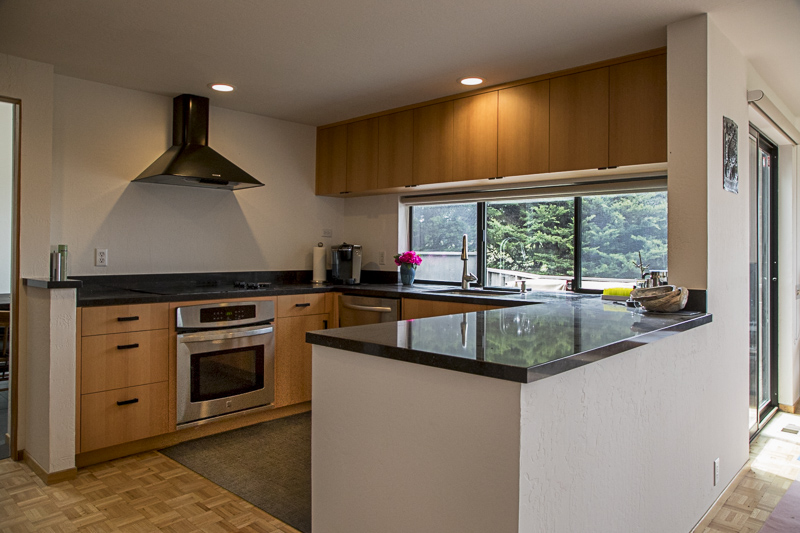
[617,293]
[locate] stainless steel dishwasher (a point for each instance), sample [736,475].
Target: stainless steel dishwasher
[360,310]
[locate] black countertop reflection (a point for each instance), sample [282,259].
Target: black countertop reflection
[522,344]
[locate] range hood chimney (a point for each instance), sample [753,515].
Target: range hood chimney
[190,162]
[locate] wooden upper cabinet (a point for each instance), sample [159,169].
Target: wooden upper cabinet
[475,137]
[638,112]
[523,136]
[362,155]
[433,144]
[579,121]
[332,160]
[395,149]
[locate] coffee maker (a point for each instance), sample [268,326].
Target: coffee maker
[346,263]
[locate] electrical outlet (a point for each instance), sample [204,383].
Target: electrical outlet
[100,257]
[716,471]
[327,233]
[381,258]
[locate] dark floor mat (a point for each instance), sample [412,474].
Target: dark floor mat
[268,464]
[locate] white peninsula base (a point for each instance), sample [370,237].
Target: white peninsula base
[402,447]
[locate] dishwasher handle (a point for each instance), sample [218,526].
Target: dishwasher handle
[374,309]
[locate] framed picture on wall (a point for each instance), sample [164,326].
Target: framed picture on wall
[730,155]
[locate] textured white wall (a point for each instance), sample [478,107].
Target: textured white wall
[105,136]
[32,83]
[51,421]
[372,222]
[610,447]
[6,177]
[728,368]
[399,447]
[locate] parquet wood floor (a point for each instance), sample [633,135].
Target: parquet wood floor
[772,467]
[138,494]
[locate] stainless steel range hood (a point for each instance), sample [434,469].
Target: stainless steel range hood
[190,162]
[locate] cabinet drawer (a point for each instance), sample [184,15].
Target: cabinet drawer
[123,415]
[123,360]
[301,304]
[124,318]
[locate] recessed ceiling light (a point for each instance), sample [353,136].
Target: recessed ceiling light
[472,80]
[222,87]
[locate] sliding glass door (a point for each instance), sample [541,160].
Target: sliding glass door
[763,280]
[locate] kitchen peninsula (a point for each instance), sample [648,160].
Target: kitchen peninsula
[496,420]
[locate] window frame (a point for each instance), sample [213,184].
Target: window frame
[481,245]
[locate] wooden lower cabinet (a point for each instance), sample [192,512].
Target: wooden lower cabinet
[123,360]
[123,415]
[293,357]
[427,308]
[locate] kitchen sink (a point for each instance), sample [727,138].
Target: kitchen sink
[476,292]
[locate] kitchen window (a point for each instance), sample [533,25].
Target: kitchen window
[588,242]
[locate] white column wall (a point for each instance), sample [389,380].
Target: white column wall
[51,406]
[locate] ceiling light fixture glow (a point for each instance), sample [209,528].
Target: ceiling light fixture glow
[471,80]
[222,87]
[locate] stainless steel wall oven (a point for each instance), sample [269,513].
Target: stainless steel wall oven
[225,359]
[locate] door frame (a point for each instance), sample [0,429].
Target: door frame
[764,414]
[16,284]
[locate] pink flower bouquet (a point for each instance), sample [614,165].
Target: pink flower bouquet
[408,258]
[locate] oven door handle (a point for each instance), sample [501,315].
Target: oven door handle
[202,336]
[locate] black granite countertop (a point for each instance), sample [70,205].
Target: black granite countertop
[522,344]
[133,289]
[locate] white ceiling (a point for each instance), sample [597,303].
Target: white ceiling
[320,61]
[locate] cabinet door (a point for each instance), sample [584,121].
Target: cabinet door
[124,318]
[395,149]
[475,137]
[579,121]
[638,112]
[433,144]
[362,155]
[123,360]
[293,358]
[332,160]
[523,136]
[413,308]
[123,415]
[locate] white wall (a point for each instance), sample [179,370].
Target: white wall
[32,83]
[6,177]
[373,222]
[104,136]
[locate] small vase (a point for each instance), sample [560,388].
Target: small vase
[407,273]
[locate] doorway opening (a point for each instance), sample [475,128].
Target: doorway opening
[763,280]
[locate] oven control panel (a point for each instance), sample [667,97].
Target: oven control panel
[226,314]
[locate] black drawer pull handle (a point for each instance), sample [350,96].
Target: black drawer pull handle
[128,402]
[127,346]
[302,305]
[127,318]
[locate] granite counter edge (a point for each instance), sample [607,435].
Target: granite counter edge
[499,371]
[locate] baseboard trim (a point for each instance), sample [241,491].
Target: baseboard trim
[49,478]
[793,409]
[182,435]
[722,499]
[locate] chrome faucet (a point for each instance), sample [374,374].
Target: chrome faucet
[466,276]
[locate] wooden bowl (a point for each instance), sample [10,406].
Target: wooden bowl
[668,303]
[651,293]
